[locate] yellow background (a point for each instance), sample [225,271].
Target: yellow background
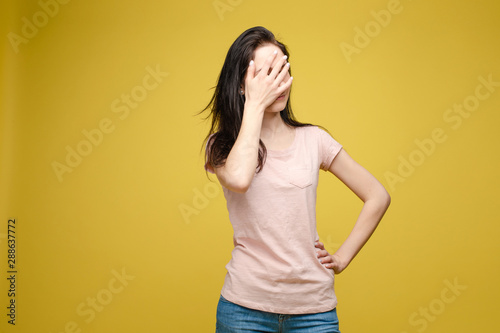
[121,209]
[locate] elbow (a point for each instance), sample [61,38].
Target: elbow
[237,185]
[239,188]
[386,199]
[380,199]
[233,181]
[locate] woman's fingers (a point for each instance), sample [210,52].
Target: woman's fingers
[251,70]
[250,73]
[284,71]
[319,245]
[281,77]
[278,68]
[324,257]
[327,259]
[285,86]
[267,64]
[322,253]
[263,85]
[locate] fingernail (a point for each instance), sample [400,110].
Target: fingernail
[251,62]
[285,57]
[275,52]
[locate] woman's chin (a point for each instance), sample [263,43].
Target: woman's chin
[277,106]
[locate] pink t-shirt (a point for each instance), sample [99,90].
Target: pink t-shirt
[274,267]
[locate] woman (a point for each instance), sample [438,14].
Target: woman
[280,277]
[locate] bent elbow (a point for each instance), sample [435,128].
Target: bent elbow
[386,199]
[238,185]
[239,188]
[380,199]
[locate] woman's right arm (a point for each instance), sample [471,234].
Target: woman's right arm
[238,171]
[261,90]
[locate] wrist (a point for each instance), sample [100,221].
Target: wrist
[253,108]
[342,262]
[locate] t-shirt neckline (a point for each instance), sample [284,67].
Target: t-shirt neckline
[289,148]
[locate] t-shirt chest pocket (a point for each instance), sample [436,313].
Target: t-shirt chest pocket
[300,176]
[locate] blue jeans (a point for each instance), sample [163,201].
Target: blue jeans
[233,318]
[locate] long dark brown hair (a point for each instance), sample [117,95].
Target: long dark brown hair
[227,104]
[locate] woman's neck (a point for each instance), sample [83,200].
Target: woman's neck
[274,128]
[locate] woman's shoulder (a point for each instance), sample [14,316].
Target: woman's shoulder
[317,133]
[312,129]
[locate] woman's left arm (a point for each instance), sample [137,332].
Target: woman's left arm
[376,201]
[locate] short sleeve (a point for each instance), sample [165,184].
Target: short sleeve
[207,165]
[328,149]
